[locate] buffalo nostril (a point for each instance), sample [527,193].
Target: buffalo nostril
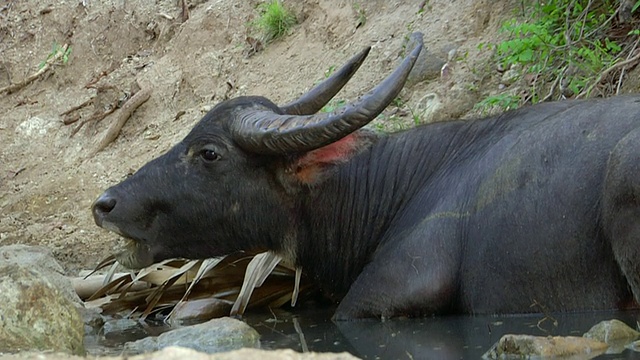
[102,207]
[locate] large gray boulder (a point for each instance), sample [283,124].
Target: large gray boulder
[35,314]
[41,259]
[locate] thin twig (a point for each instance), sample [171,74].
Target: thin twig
[125,112]
[92,82]
[78,107]
[606,72]
[303,342]
[633,49]
[46,67]
[95,117]
[554,85]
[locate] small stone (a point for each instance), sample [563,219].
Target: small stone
[510,76]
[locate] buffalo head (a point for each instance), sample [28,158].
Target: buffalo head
[232,184]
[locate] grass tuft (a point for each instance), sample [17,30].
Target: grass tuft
[275,20]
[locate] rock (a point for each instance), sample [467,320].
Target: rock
[524,346]
[428,64]
[35,314]
[428,107]
[201,310]
[179,353]
[118,326]
[613,332]
[40,258]
[510,76]
[609,331]
[182,353]
[635,346]
[35,127]
[217,335]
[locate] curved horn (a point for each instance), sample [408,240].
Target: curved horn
[319,95]
[266,132]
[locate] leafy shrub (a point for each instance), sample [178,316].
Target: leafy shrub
[566,49]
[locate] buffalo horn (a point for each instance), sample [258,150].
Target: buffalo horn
[265,132]
[319,96]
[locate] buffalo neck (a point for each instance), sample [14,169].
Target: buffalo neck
[346,218]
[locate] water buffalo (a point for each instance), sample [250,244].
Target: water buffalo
[538,206]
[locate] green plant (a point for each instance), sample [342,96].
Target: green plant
[502,101]
[563,48]
[333,105]
[329,71]
[275,20]
[361,16]
[56,48]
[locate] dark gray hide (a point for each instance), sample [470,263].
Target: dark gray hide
[538,206]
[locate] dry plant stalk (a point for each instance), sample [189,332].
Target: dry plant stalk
[47,66]
[125,112]
[177,282]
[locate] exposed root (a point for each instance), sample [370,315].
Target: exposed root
[96,117]
[46,67]
[185,10]
[125,112]
[77,107]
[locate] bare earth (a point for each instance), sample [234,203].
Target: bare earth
[48,177]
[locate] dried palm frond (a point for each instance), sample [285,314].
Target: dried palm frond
[247,280]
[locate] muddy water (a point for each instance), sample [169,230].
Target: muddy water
[445,337]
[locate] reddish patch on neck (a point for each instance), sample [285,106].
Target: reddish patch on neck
[309,167]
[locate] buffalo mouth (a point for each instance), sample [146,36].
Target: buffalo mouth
[133,253]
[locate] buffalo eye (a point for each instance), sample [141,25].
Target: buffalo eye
[209,155]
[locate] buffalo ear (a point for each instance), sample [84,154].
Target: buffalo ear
[314,166]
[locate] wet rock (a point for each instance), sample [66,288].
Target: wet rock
[201,310]
[428,64]
[635,346]
[524,346]
[175,353]
[613,332]
[35,314]
[217,335]
[119,326]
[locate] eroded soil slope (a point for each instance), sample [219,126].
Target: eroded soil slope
[48,177]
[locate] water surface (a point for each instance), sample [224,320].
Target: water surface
[443,337]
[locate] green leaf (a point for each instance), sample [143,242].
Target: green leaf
[526,56]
